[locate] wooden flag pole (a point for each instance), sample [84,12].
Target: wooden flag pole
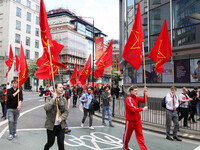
[52,76]
[19,89]
[145,82]
[172,70]
[60,78]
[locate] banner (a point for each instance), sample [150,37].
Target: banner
[98,47]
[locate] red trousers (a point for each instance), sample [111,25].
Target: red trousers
[130,126]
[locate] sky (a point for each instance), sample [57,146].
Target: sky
[104,12]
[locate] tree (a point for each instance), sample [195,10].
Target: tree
[116,76]
[32,68]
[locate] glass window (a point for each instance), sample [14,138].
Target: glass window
[146,33]
[89,34]
[18,25]
[36,31]
[28,16]
[19,1]
[17,38]
[37,8]
[28,3]
[28,28]
[80,28]
[36,55]
[36,43]
[28,41]
[18,12]
[27,54]
[17,50]
[145,9]
[37,20]
[145,21]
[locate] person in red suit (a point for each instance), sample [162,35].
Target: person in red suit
[133,118]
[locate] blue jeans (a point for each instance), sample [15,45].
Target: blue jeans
[13,115]
[198,108]
[104,109]
[4,109]
[66,124]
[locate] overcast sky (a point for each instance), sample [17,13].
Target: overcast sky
[104,12]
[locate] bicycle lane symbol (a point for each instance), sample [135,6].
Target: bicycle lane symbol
[95,141]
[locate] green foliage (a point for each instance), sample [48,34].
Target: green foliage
[32,68]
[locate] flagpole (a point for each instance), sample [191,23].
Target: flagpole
[144,74]
[52,76]
[172,70]
[6,86]
[18,89]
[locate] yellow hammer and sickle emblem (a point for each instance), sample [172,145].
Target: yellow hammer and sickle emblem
[160,55]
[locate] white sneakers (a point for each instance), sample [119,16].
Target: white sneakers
[91,128]
[10,137]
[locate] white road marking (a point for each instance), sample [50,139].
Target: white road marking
[198,148]
[21,114]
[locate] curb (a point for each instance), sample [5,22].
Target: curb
[97,114]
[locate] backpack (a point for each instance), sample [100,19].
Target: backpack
[163,104]
[96,105]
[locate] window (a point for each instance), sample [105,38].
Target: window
[145,21]
[28,4]
[145,33]
[19,1]
[28,41]
[145,9]
[36,43]
[37,8]
[37,20]
[36,55]
[17,51]
[28,28]
[18,25]
[36,31]
[18,12]
[17,38]
[27,54]
[28,16]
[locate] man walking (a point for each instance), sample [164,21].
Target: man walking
[133,118]
[67,97]
[171,114]
[106,101]
[3,101]
[55,124]
[13,108]
[87,107]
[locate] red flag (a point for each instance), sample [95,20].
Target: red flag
[104,61]
[44,29]
[9,62]
[44,70]
[73,79]
[133,48]
[162,49]
[17,63]
[23,67]
[85,72]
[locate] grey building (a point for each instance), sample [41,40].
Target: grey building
[183,21]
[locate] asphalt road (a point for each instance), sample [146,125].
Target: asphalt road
[32,134]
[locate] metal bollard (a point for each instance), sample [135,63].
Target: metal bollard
[113,112]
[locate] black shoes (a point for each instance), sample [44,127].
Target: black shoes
[177,138]
[169,138]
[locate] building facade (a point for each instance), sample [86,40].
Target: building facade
[115,56]
[76,34]
[19,22]
[183,21]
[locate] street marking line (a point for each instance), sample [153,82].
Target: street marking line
[198,148]
[21,114]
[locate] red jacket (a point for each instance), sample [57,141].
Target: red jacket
[132,109]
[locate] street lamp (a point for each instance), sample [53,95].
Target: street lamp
[92,46]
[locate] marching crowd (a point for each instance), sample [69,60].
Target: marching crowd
[57,105]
